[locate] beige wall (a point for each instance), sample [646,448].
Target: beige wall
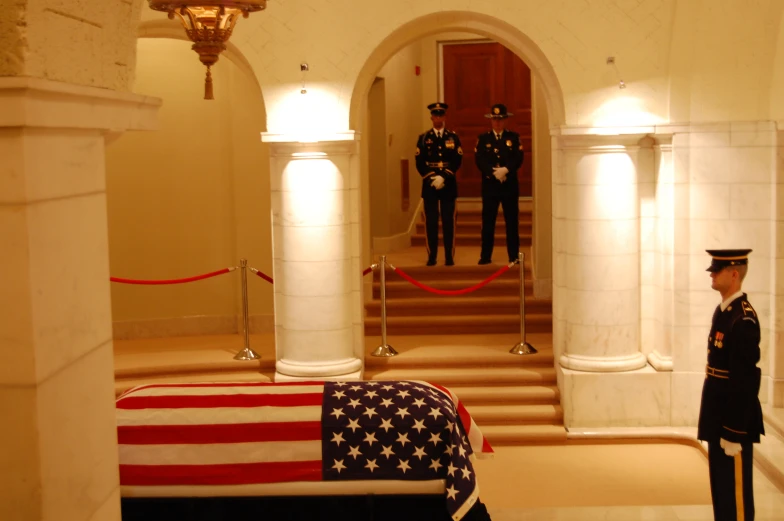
[190,198]
[82,43]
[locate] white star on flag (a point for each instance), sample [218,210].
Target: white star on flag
[451,469]
[434,412]
[353,403]
[371,384]
[388,451]
[386,425]
[452,492]
[403,393]
[419,425]
[419,402]
[338,465]
[353,425]
[355,388]
[339,394]
[386,402]
[461,450]
[370,438]
[387,388]
[337,437]
[354,452]
[450,426]
[340,383]
[371,394]
[371,464]
[370,411]
[402,412]
[337,413]
[435,465]
[435,438]
[419,452]
[402,438]
[466,473]
[404,466]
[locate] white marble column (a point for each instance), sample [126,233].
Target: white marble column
[596,239]
[661,331]
[316,253]
[58,443]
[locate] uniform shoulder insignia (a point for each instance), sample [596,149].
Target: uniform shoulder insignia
[747,309]
[750,319]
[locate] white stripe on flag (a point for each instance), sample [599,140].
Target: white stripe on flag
[220,453]
[223,391]
[218,415]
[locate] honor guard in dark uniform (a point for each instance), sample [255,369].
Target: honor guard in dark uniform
[499,155]
[438,157]
[730,411]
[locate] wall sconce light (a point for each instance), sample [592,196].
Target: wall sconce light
[208,24]
[611,61]
[303,67]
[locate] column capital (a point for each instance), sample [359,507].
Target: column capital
[312,146]
[34,102]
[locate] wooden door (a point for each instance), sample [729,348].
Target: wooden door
[476,76]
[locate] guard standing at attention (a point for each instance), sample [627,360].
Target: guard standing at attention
[438,157]
[730,411]
[499,156]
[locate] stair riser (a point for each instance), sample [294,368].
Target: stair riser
[500,242]
[440,272]
[476,227]
[456,309]
[495,288]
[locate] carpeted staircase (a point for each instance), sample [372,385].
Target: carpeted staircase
[462,342]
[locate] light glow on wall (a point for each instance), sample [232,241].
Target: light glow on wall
[624,111]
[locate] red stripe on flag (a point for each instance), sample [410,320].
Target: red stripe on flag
[230,474]
[464,417]
[219,400]
[233,433]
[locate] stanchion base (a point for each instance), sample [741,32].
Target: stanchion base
[523,348]
[247,354]
[385,351]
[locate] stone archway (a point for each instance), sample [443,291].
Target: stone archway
[460,21]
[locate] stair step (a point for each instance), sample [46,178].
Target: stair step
[468,324]
[473,272]
[460,305]
[450,377]
[399,287]
[471,239]
[499,435]
[508,395]
[476,227]
[515,414]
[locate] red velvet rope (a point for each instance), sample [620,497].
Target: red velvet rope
[367,270]
[453,291]
[263,276]
[171,281]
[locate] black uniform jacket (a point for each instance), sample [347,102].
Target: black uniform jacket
[730,407]
[492,153]
[439,156]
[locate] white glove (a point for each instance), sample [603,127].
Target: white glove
[438,182]
[730,448]
[500,173]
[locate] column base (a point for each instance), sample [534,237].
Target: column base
[328,370]
[608,364]
[356,375]
[660,362]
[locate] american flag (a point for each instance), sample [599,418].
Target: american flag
[237,434]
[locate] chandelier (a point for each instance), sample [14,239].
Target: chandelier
[208,24]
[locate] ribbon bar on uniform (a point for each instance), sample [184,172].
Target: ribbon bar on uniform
[438,164]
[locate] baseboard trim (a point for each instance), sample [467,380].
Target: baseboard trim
[191,326]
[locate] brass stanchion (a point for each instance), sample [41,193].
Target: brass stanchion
[384,349]
[523,347]
[247,353]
